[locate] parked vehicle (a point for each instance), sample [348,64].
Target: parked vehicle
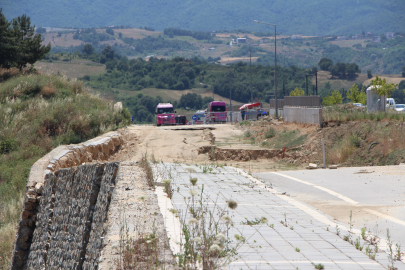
[200,117]
[181,119]
[390,103]
[216,112]
[399,107]
[358,104]
[165,114]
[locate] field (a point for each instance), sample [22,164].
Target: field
[135,33]
[75,69]
[65,40]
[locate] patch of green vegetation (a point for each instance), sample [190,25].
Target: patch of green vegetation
[289,139]
[37,114]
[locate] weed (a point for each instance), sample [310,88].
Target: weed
[245,123]
[358,245]
[363,233]
[391,256]
[271,226]
[318,266]
[370,253]
[247,134]
[337,230]
[256,221]
[297,249]
[270,133]
[398,253]
[291,227]
[148,171]
[168,189]
[205,231]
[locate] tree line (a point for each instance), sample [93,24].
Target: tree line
[19,45]
[339,69]
[199,35]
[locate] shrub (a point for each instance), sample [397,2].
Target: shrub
[270,133]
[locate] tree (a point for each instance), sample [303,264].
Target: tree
[27,43]
[369,75]
[88,49]
[325,63]
[108,52]
[40,30]
[403,71]
[332,99]
[382,88]
[341,69]
[352,69]
[357,96]
[297,92]
[19,45]
[6,46]
[109,31]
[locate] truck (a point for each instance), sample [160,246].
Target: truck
[216,112]
[165,114]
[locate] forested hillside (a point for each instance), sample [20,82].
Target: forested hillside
[312,17]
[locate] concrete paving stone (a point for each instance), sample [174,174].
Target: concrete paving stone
[275,245]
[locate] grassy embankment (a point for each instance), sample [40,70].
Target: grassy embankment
[38,113]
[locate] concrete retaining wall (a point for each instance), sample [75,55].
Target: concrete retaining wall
[43,186]
[303,115]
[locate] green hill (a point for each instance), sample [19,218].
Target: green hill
[312,17]
[38,113]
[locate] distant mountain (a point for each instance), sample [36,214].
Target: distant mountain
[310,17]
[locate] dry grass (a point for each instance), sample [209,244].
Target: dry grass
[72,70]
[9,215]
[336,83]
[136,33]
[141,253]
[390,79]
[48,91]
[33,125]
[66,40]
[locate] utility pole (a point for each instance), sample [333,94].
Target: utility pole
[230,101]
[316,81]
[251,89]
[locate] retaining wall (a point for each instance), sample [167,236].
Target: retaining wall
[60,202]
[303,115]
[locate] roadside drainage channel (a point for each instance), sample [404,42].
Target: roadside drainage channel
[42,188]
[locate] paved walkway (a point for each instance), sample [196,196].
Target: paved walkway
[272,245]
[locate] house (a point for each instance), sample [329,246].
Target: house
[342,38]
[356,37]
[241,40]
[369,35]
[211,49]
[295,37]
[376,39]
[389,35]
[264,40]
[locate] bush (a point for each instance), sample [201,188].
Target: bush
[270,133]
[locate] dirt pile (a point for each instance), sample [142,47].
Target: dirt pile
[215,153]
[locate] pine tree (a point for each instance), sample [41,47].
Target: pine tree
[27,44]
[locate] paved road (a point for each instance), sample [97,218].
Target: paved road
[376,195]
[269,246]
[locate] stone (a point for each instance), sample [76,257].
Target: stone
[333,166]
[39,187]
[312,166]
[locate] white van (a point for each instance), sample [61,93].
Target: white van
[390,103]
